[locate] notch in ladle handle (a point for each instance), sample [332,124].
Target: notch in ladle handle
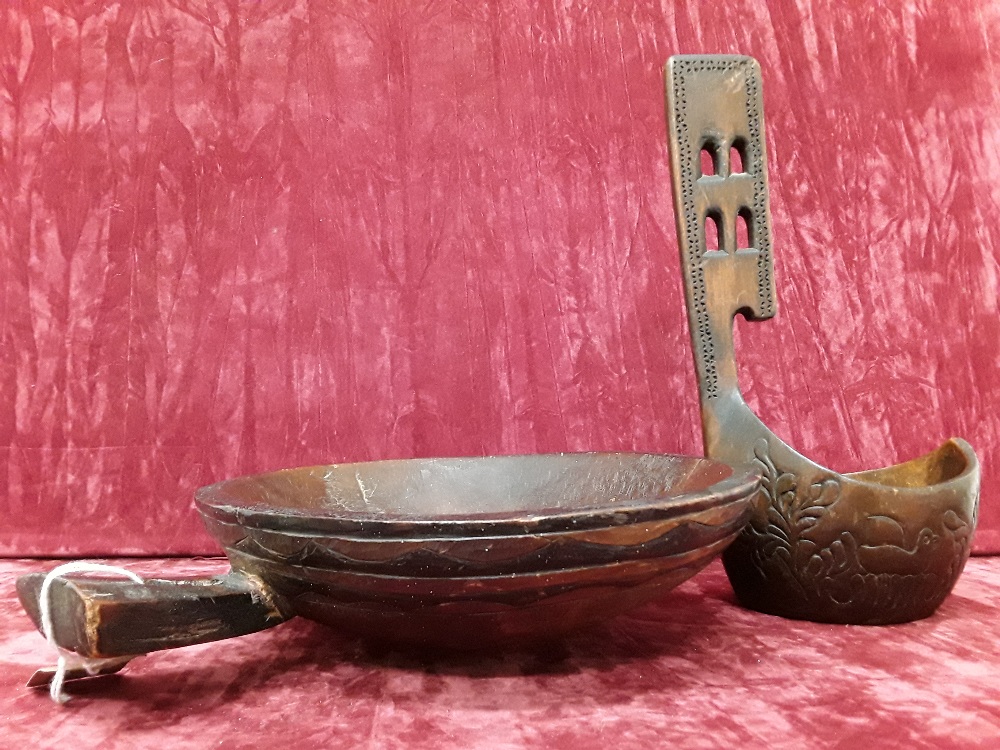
[100,618]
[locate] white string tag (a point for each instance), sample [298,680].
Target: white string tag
[70,661]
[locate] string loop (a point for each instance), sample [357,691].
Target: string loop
[69,659]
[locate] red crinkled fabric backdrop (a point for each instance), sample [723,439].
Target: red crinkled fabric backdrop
[248,235]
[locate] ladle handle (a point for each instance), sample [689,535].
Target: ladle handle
[99,618]
[715,117]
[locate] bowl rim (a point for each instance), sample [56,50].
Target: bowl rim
[741,484]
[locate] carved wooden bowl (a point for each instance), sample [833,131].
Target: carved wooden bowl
[871,548]
[455,553]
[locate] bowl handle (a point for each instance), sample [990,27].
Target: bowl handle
[101,618]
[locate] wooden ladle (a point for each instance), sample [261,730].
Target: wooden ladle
[873,547]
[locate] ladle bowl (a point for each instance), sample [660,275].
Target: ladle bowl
[869,548]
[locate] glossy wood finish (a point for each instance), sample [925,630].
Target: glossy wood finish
[874,547]
[465,553]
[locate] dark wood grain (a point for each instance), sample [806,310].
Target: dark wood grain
[478,553]
[102,618]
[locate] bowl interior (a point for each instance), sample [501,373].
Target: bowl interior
[470,488]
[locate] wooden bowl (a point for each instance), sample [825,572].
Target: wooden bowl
[454,553]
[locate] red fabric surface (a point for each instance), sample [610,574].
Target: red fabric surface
[246,235]
[692,670]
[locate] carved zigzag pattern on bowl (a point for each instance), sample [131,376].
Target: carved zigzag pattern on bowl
[478,557]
